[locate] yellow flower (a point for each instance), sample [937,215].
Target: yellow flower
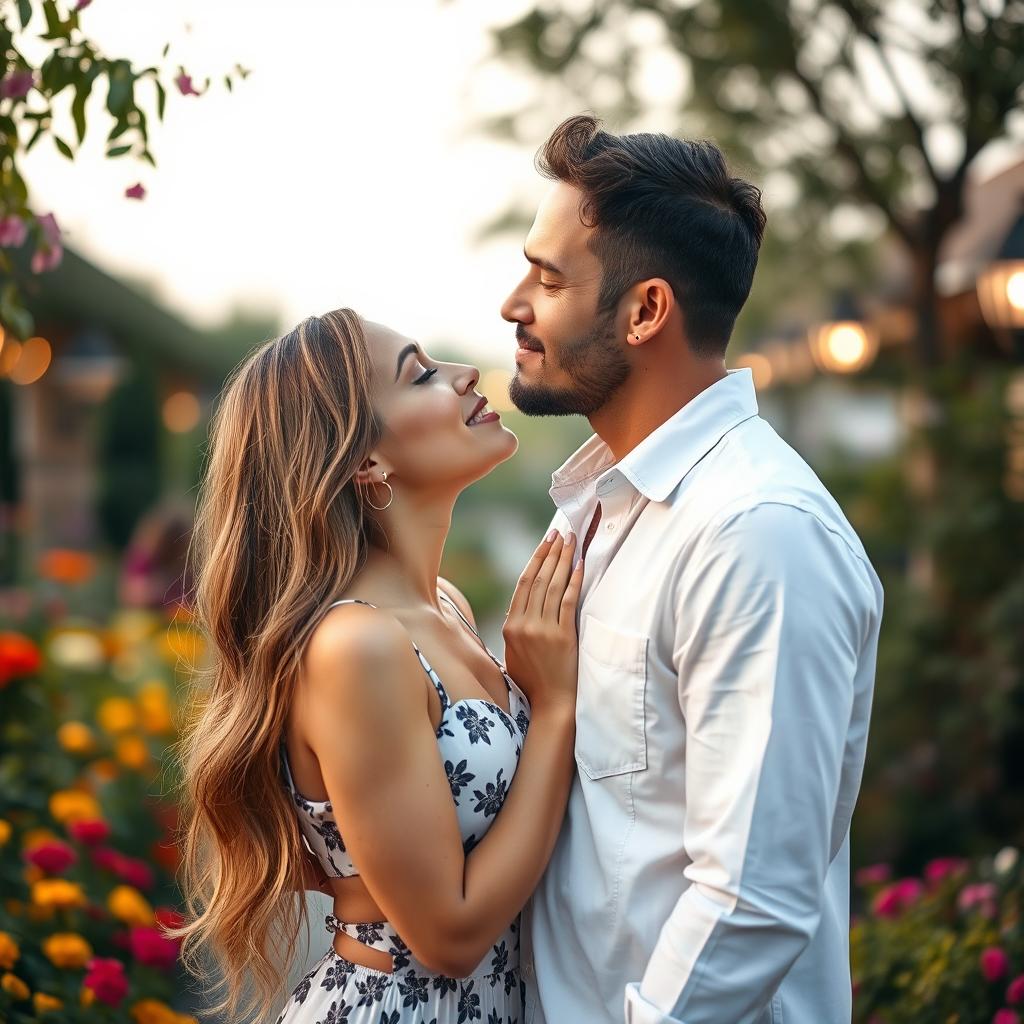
[132,752]
[155,708]
[14,986]
[116,714]
[38,837]
[76,738]
[67,949]
[41,1002]
[58,893]
[105,769]
[129,906]
[152,1011]
[87,997]
[67,805]
[182,647]
[5,831]
[9,951]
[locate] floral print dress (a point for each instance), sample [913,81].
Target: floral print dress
[479,745]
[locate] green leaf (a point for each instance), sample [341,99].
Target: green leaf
[161,100]
[13,314]
[118,130]
[25,12]
[119,95]
[78,106]
[36,135]
[166,50]
[118,151]
[227,82]
[148,157]
[64,147]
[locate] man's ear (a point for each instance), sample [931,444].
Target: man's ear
[651,304]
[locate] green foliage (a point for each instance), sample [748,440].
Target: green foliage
[74,65]
[946,948]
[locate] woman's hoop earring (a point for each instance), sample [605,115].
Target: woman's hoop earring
[384,481]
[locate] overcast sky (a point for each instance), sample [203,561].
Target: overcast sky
[347,170]
[344,171]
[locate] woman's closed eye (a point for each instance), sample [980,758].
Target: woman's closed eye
[426,376]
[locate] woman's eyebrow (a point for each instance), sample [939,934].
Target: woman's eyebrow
[407,351]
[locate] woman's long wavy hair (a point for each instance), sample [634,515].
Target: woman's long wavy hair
[281,529]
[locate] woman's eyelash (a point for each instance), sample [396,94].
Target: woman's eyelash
[422,380]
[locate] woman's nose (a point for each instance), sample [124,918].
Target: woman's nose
[468,379]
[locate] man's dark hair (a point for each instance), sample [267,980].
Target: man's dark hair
[663,207]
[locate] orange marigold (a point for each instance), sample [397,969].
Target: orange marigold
[66,566]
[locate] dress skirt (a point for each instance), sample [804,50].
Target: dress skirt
[337,991]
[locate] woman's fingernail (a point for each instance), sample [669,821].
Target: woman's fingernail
[552,534]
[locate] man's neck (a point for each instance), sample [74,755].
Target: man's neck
[647,400]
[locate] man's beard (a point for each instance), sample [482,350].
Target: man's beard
[593,362]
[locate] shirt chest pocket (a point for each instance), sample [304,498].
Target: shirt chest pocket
[610,737]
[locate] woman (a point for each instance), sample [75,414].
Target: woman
[353,706]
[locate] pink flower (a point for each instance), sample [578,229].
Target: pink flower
[1015,993]
[53,857]
[82,4]
[89,832]
[936,871]
[168,917]
[106,858]
[135,192]
[873,874]
[17,84]
[13,232]
[51,253]
[895,898]
[184,84]
[994,963]
[150,947]
[1005,1017]
[106,978]
[135,872]
[981,895]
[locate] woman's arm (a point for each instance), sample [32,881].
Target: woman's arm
[379,759]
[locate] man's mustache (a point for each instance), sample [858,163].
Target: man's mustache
[527,340]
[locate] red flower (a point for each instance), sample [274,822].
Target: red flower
[994,963]
[106,979]
[89,833]
[936,871]
[168,917]
[873,874]
[53,857]
[1005,1017]
[150,947]
[106,858]
[895,898]
[135,872]
[1015,993]
[18,657]
[135,192]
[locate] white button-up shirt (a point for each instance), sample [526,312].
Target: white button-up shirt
[728,633]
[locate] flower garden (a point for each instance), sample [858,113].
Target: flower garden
[89,713]
[87,846]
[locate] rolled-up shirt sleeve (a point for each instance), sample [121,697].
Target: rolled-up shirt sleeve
[772,611]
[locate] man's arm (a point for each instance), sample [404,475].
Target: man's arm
[770,623]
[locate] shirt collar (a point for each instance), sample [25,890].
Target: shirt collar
[657,464]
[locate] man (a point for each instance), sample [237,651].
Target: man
[728,621]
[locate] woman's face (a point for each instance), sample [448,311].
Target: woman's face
[428,441]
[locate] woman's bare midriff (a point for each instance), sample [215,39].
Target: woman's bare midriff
[352,903]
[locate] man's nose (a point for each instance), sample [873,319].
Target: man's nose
[515,309]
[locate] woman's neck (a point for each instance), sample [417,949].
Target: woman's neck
[407,546]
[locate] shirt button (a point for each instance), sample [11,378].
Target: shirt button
[609,527]
[528,970]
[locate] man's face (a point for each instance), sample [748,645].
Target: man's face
[570,359]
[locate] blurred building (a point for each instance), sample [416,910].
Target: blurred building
[100,412]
